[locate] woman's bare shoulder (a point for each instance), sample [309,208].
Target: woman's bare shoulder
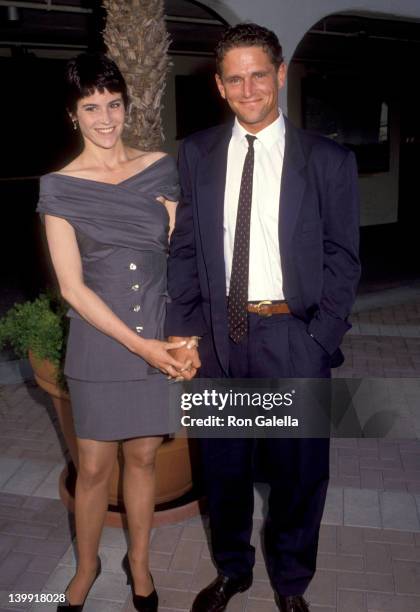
[71,168]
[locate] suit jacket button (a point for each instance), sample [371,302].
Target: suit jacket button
[139,329]
[132,266]
[136,308]
[135,287]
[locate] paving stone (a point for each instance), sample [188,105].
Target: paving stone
[63,532]
[5,606]
[30,582]
[378,558]
[12,567]
[195,532]
[28,477]
[166,539]
[59,579]
[328,539]
[175,580]
[114,537]
[394,485]
[159,560]
[361,508]
[240,602]
[260,572]
[181,600]
[348,466]
[371,479]
[417,499]
[410,461]
[407,577]
[388,536]
[45,506]
[43,564]
[203,575]
[8,499]
[258,605]
[111,587]
[351,563]
[380,602]
[366,581]
[333,512]
[399,511]
[351,601]
[261,589]
[350,541]
[8,467]
[99,605]
[186,556]
[6,544]
[405,553]
[346,481]
[322,590]
[48,490]
[111,559]
[41,547]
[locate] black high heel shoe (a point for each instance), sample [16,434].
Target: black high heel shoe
[142,603]
[79,607]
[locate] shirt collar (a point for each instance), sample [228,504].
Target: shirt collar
[272,134]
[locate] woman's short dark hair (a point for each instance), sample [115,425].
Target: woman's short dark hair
[90,72]
[249,35]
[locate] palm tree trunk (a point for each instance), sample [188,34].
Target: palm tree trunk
[138,42]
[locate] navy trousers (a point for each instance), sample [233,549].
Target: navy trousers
[297,470]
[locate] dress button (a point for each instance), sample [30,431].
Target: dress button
[132,266]
[136,308]
[135,287]
[139,329]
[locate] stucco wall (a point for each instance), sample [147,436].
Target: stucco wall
[291,19]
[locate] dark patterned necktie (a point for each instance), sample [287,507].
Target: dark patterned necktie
[238,290]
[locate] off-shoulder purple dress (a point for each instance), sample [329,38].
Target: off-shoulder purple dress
[122,234]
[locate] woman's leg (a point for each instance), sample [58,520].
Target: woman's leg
[139,499]
[96,462]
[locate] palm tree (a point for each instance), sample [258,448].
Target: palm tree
[138,42]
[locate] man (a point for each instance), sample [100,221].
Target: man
[264,267]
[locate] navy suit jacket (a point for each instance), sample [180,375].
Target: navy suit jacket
[318,238]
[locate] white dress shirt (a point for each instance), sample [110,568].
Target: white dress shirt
[265,277]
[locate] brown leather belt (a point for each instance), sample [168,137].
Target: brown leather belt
[266,308]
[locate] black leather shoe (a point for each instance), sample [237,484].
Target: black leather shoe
[293,603]
[142,603]
[215,597]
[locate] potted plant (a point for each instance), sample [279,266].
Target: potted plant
[38,330]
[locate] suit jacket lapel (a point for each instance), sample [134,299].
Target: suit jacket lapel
[292,189]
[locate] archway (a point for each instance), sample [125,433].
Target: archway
[191,100]
[350,79]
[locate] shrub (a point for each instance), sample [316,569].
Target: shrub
[40,325]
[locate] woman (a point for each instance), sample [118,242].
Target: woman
[107,216]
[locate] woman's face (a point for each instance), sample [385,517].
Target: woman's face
[101,118]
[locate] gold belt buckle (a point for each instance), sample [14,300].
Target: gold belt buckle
[264,303]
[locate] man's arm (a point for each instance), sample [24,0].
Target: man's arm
[184,314]
[340,214]
[184,318]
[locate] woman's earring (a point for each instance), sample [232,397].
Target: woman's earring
[75,124]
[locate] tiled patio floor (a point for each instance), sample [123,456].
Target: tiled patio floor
[369,555]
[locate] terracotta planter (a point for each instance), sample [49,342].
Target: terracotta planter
[173,464]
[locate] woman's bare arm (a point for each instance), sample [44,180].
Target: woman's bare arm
[67,264]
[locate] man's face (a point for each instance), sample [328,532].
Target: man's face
[250,84]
